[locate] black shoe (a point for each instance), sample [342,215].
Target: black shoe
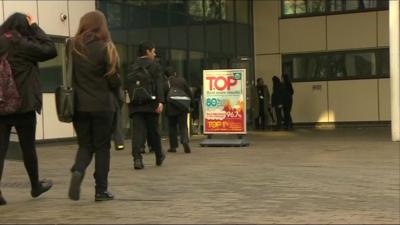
[103,196]
[186,147]
[172,150]
[2,200]
[159,160]
[138,164]
[75,185]
[44,186]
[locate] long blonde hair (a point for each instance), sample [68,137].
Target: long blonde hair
[93,25]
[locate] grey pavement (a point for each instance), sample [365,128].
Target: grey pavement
[341,176]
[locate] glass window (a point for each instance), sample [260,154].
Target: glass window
[196,65]
[242,11]
[352,4]
[337,65]
[289,7]
[159,27]
[227,10]
[213,38]
[337,5]
[196,8]
[212,9]
[243,40]
[228,38]
[312,7]
[178,61]
[316,6]
[196,37]
[114,15]
[179,37]
[178,6]
[51,71]
[137,24]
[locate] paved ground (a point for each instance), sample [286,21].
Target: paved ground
[307,176]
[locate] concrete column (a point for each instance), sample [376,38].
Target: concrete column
[394,30]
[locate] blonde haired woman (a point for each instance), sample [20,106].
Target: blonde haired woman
[95,80]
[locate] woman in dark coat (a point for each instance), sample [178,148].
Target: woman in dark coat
[277,100]
[33,46]
[287,101]
[95,81]
[177,117]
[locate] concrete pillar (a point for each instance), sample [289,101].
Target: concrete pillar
[394,30]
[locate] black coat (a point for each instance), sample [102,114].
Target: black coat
[287,93]
[94,92]
[277,97]
[24,60]
[155,71]
[180,83]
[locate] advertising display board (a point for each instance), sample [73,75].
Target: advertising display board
[224,101]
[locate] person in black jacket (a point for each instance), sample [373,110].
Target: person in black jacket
[177,116]
[95,82]
[287,101]
[277,100]
[33,46]
[145,115]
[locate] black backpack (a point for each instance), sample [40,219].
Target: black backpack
[140,86]
[178,98]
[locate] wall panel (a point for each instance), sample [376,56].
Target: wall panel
[77,8]
[22,6]
[266,27]
[52,127]
[383,28]
[384,100]
[50,17]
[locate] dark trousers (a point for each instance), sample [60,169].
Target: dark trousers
[260,121]
[175,122]
[287,108]
[278,113]
[25,125]
[118,134]
[145,124]
[94,130]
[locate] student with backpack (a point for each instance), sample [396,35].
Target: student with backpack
[178,106]
[19,103]
[144,84]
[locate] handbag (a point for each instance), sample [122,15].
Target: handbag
[65,93]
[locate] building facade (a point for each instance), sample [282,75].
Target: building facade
[337,53]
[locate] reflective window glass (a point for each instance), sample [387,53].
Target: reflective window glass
[337,65]
[227,10]
[316,6]
[242,11]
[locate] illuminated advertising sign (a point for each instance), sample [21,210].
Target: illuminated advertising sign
[224,104]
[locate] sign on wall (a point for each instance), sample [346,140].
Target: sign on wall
[224,104]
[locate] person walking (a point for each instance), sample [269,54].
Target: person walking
[144,84]
[276,101]
[21,61]
[95,80]
[177,115]
[287,101]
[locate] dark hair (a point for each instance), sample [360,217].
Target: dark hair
[285,78]
[259,79]
[276,82]
[144,46]
[170,71]
[17,22]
